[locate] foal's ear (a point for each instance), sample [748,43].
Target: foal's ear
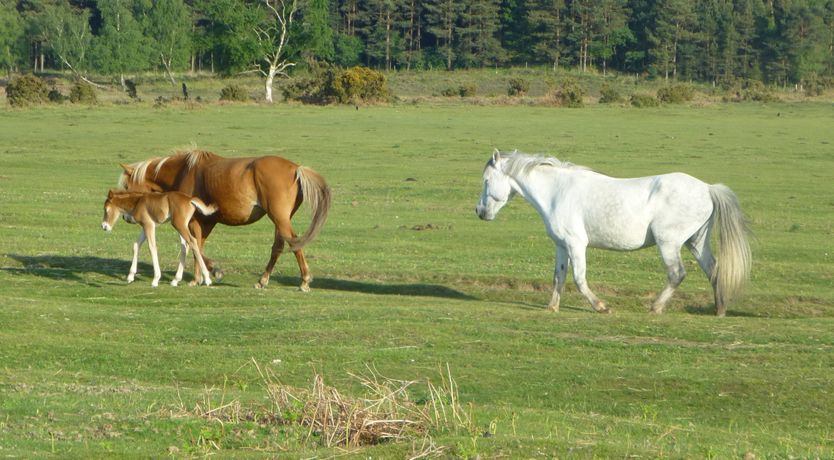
[128,169]
[110,193]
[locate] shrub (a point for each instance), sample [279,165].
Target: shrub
[676,94]
[26,90]
[56,97]
[518,87]
[234,93]
[567,93]
[450,92]
[360,83]
[130,87]
[329,84]
[609,95]
[644,100]
[468,90]
[82,93]
[750,90]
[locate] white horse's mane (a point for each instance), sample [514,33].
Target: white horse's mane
[522,164]
[140,168]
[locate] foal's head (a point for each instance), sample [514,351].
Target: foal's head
[497,190]
[111,213]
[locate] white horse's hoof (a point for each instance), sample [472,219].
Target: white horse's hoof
[174,283]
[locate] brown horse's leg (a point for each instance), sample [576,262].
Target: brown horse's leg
[277,249]
[201,230]
[283,232]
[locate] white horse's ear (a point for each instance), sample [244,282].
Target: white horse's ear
[496,155]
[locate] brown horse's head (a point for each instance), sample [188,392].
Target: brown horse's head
[135,178]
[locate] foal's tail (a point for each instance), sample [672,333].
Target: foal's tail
[316,192]
[205,209]
[732,268]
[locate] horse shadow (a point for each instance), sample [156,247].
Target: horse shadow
[72,268]
[366,287]
[709,310]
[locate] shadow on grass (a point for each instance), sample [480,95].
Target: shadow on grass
[709,310]
[367,287]
[73,267]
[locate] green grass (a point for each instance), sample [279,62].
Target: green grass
[92,367]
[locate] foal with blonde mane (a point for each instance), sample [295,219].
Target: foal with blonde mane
[150,210]
[243,190]
[582,208]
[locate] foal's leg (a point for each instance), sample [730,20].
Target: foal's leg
[181,266]
[559,274]
[131,275]
[577,257]
[150,231]
[675,273]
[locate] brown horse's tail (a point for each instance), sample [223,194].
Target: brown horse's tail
[316,192]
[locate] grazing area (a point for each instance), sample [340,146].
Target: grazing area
[428,322]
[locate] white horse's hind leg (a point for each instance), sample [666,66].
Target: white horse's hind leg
[131,275]
[699,247]
[577,257]
[559,274]
[675,273]
[181,266]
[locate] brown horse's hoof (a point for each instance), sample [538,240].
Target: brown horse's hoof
[218,274]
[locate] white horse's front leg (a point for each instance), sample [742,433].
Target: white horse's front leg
[157,273]
[131,275]
[559,274]
[181,266]
[577,257]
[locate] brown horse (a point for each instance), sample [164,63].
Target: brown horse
[244,190]
[150,210]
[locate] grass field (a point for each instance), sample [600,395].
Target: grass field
[409,281]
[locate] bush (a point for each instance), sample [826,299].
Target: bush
[130,87]
[450,92]
[360,83]
[609,95]
[518,87]
[55,96]
[567,93]
[26,90]
[468,90]
[644,100]
[676,94]
[234,93]
[329,84]
[82,93]
[750,90]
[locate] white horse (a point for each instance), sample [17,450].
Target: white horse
[583,208]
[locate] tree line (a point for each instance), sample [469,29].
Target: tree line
[775,41]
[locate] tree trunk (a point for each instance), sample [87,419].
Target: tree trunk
[270,77]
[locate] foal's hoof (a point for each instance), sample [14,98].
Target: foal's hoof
[304,287]
[217,274]
[258,285]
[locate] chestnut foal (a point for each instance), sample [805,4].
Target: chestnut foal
[150,210]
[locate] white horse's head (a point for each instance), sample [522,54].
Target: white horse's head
[497,188]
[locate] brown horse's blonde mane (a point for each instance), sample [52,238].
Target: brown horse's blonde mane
[140,169]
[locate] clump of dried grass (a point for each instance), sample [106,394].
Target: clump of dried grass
[385,413]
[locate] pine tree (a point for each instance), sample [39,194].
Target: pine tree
[548,28]
[441,20]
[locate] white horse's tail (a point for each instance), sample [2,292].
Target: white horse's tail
[732,269]
[204,209]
